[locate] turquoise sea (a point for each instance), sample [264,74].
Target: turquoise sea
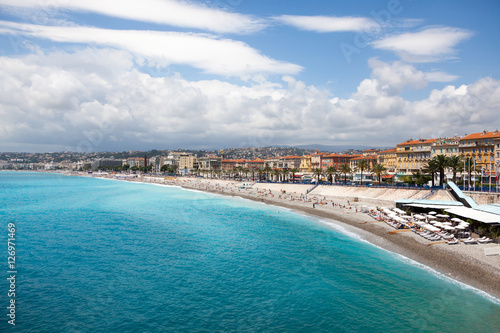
[95,255]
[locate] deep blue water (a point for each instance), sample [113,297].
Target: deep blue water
[97,255]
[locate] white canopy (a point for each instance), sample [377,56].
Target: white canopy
[475,214]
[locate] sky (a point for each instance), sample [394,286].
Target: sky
[109,75]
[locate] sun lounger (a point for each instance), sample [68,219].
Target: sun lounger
[470,240]
[454,241]
[484,240]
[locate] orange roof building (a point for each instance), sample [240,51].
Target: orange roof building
[388,159]
[413,155]
[481,148]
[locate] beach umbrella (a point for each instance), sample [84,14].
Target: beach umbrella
[460,227]
[447,227]
[432,213]
[419,217]
[446,223]
[442,215]
[430,217]
[456,219]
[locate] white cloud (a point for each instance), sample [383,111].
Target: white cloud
[67,101]
[208,53]
[430,44]
[325,24]
[438,76]
[182,14]
[391,78]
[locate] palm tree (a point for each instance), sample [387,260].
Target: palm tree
[345,169]
[379,169]
[318,172]
[293,171]
[469,166]
[442,164]
[260,171]
[245,171]
[277,173]
[330,171]
[431,168]
[268,171]
[362,165]
[455,163]
[285,172]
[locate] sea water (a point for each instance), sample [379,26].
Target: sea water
[95,255]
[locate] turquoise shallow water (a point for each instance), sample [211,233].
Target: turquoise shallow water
[98,255]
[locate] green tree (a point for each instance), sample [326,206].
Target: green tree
[293,171]
[345,169]
[277,173]
[361,166]
[331,171]
[285,172]
[318,172]
[246,172]
[431,168]
[442,164]
[379,170]
[268,171]
[456,164]
[125,167]
[260,172]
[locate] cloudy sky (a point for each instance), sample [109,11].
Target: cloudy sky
[109,75]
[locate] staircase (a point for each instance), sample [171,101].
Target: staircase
[311,189]
[428,195]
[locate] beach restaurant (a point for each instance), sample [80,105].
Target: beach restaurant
[464,207]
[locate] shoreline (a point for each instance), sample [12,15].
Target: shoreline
[442,258]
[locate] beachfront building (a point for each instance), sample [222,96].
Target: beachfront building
[336,160]
[187,163]
[291,162]
[496,152]
[481,148]
[413,155]
[272,162]
[445,146]
[305,164]
[102,163]
[367,176]
[388,159]
[209,163]
[317,159]
[156,163]
[255,164]
[233,164]
[135,162]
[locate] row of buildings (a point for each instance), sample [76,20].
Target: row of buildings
[406,158]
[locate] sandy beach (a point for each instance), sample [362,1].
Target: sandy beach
[461,262]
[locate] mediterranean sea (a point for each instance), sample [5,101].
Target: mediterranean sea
[96,255]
